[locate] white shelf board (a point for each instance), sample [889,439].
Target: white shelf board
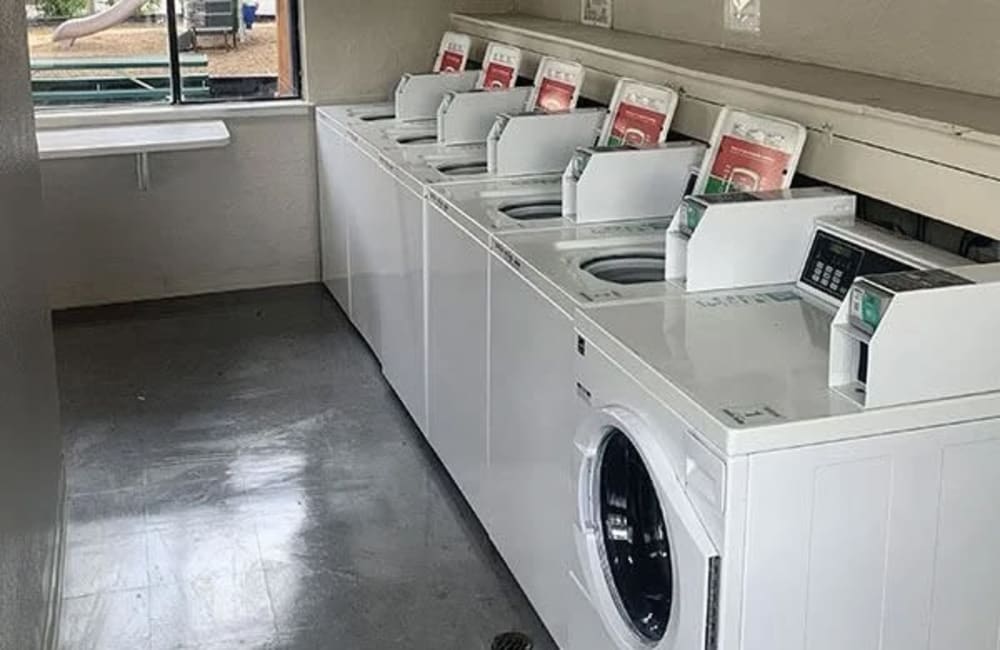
[932,150]
[88,142]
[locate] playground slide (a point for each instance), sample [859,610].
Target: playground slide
[80,27]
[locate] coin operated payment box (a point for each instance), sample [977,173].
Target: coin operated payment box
[914,336]
[727,241]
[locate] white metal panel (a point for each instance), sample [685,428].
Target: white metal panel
[372,242]
[333,154]
[877,543]
[456,354]
[816,551]
[966,610]
[586,632]
[705,481]
[848,548]
[401,301]
[532,424]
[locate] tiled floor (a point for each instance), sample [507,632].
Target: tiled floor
[240,476]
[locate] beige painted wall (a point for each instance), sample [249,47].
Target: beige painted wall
[30,441]
[930,41]
[231,218]
[357,49]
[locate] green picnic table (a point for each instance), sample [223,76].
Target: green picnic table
[116,63]
[123,87]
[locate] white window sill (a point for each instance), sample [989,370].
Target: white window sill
[69,118]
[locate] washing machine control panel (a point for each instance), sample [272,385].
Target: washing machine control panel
[834,263]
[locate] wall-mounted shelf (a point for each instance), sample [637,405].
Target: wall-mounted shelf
[932,150]
[138,139]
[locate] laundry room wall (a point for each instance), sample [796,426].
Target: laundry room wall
[357,49]
[30,440]
[928,41]
[237,217]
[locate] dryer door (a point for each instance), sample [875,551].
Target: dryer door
[650,566]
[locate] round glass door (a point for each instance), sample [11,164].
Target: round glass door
[635,544]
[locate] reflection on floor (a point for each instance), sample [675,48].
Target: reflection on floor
[240,476]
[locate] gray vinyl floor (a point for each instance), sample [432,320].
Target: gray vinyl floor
[241,476]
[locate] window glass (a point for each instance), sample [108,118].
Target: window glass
[99,52]
[248,45]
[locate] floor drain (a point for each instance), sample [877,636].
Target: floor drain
[512,641]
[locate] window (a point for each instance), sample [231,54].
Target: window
[101,52]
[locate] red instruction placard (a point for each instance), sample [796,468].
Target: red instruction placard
[451,62]
[742,166]
[555,96]
[636,126]
[498,76]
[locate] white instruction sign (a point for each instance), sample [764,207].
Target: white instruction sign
[743,16]
[597,12]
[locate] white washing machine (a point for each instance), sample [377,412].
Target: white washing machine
[727,497]
[429,114]
[344,156]
[459,220]
[373,259]
[333,157]
[386,252]
[344,160]
[537,279]
[482,94]
[406,173]
[388,225]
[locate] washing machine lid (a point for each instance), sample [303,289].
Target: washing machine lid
[650,566]
[583,266]
[391,133]
[438,163]
[348,115]
[479,205]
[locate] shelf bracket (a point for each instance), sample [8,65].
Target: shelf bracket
[142,170]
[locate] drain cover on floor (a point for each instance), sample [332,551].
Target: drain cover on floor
[512,641]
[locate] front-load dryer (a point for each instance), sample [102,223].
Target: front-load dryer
[771,510]
[537,279]
[646,563]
